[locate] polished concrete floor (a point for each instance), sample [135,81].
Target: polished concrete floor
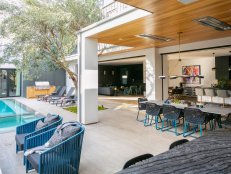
[107,145]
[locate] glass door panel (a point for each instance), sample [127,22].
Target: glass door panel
[13,83]
[3,83]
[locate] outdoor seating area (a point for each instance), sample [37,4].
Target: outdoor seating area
[115,86]
[189,120]
[50,146]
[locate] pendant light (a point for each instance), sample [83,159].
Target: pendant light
[229,69]
[214,68]
[179,59]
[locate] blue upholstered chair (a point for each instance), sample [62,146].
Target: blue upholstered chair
[28,130]
[63,158]
[171,114]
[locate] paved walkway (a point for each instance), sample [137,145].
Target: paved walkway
[107,145]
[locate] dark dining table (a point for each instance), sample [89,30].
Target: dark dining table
[208,154]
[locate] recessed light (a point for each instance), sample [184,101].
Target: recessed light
[154,37]
[186,2]
[213,23]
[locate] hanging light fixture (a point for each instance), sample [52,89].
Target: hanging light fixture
[179,59]
[229,69]
[214,68]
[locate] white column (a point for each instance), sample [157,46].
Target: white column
[150,74]
[88,81]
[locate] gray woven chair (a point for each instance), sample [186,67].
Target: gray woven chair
[171,114]
[152,111]
[196,118]
[141,107]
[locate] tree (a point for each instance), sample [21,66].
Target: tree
[42,33]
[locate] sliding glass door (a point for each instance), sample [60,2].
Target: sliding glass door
[10,83]
[3,83]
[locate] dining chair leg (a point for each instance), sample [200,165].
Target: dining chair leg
[137,117]
[151,120]
[145,119]
[185,129]
[162,124]
[201,129]
[156,122]
[175,126]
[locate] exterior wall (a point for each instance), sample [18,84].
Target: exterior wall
[73,67]
[56,78]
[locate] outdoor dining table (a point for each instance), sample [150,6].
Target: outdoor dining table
[208,154]
[212,110]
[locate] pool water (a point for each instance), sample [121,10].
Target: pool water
[14,113]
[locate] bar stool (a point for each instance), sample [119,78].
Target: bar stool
[223,94]
[199,92]
[210,92]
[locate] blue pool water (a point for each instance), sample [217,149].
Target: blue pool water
[14,113]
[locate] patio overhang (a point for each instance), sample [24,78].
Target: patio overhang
[167,19]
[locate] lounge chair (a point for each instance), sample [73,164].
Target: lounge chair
[60,94]
[69,94]
[61,158]
[64,101]
[57,90]
[28,130]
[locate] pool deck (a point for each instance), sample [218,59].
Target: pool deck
[107,145]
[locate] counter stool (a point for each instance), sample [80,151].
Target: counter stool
[210,92]
[223,94]
[199,92]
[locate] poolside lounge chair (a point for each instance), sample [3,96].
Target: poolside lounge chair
[69,94]
[60,94]
[63,101]
[28,130]
[57,90]
[61,157]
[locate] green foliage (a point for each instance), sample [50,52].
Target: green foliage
[223,84]
[74,108]
[43,32]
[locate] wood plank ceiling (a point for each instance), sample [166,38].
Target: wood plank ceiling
[167,19]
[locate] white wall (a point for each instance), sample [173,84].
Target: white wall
[206,65]
[69,82]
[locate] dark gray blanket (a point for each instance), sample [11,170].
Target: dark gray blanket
[208,154]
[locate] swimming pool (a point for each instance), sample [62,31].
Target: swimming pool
[14,113]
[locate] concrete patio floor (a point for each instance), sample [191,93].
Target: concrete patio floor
[107,145]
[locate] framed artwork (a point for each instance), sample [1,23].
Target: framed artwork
[191,70]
